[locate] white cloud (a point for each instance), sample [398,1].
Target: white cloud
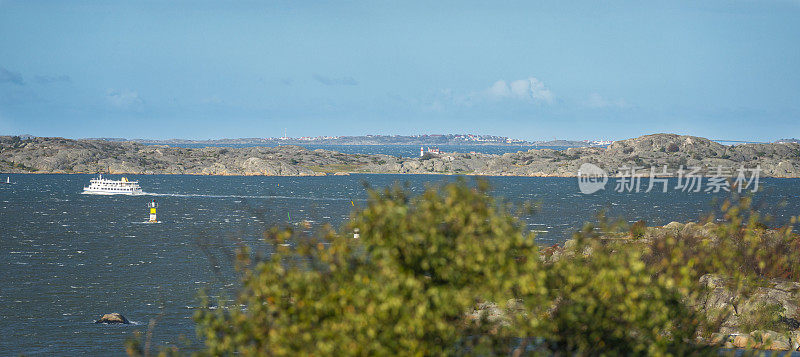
[531,89]
[123,98]
[595,100]
[499,89]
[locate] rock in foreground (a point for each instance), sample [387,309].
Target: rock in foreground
[112,318]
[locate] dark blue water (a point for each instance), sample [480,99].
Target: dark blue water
[67,258]
[396,150]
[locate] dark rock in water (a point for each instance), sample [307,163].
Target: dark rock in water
[112,318]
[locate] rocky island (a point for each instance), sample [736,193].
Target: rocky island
[59,155]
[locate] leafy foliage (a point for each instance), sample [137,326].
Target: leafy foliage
[453,272]
[741,247]
[420,264]
[606,300]
[740,250]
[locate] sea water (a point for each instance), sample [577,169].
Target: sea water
[67,258]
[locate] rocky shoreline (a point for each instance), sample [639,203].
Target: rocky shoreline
[58,155]
[764,316]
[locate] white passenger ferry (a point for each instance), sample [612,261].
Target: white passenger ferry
[101,186]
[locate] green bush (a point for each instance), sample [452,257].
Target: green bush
[741,247]
[421,265]
[454,272]
[404,287]
[611,303]
[764,316]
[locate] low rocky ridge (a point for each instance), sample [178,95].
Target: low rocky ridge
[58,155]
[658,150]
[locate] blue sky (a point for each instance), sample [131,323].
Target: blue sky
[530,69]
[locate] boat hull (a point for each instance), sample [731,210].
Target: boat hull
[110,193]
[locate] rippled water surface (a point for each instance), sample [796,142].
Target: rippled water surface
[67,258]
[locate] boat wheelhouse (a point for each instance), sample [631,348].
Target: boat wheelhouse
[102,186]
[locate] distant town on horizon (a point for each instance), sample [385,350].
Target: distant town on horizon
[379,139]
[419,139]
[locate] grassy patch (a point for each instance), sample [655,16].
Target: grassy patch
[17,165]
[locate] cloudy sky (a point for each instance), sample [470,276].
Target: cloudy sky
[529,69]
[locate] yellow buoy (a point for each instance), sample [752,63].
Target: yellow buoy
[153,206]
